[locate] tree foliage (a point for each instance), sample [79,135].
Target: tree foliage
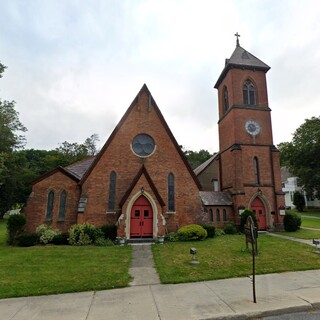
[302,155]
[195,158]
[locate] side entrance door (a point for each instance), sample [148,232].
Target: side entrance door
[257,206]
[141,219]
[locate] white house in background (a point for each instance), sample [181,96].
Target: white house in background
[290,185]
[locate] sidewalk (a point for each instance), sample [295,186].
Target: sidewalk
[221,299]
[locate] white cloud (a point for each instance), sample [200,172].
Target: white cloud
[74,67]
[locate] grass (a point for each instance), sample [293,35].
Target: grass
[302,234]
[226,257]
[310,223]
[43,270]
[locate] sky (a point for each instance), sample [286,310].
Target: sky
[75,66]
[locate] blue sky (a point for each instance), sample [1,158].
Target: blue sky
[74,67]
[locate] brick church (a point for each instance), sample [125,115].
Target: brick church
[141,180]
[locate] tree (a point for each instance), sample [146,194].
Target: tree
[11,140]
[195,158]
[302,155]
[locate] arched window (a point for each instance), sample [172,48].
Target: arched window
[112,192]
[62,205]
[218,215]
[210,215]
[249,93]
[50,203]
[224,215]
[225,100]
[256,170]
[171,206]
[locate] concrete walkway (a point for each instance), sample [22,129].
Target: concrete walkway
[221,299]
[304,241]
[142,267]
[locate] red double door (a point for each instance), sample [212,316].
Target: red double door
[257,206]
[141,219]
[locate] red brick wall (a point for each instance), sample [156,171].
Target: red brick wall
[36,207]
[119,158]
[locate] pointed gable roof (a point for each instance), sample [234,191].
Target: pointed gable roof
[53,171]
[205,164]
[142,171]
[243,59]
[123,119]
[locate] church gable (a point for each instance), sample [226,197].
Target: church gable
[141,139]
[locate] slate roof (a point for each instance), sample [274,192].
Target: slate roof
[215,198]
[78,169]
[285,174]
[204,165]
[241,58]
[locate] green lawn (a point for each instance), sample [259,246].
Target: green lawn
[226,257]
[57,269]
[310,223]
[302,234]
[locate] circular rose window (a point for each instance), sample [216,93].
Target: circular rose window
[143,145]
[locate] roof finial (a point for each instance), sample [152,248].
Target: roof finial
[238,36]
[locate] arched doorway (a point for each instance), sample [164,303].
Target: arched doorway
[258,207]
[141,218]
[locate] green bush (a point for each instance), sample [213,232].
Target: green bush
[230,228]
[27,239]
[84,234]
[61,239]
[210,230]
[109,231]
[172,237]
[243,219]
[291,221]
[219,232]
[15,226]
[299,201]
[46,233]
[192,232]
[102,242]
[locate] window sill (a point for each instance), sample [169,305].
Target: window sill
[111,212]
[170,212]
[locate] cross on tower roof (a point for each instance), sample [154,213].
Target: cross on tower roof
[238,36]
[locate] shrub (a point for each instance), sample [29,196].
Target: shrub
[15,226]
[243,219]
[230,228]
[27,239]
[291,221]
[102,242]
[192,232]
[172,237]
[210,230]
[219,232]
[299,201]
[61,239]
[84,234]
[46,233]
[109,231]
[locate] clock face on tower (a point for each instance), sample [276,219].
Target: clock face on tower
[252,127]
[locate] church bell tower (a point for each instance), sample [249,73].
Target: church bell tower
[248,162]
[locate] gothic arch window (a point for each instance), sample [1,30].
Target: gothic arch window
[249,93]
[224,215]
[62,205]
[112,192]
[256,170]
[210,215]
[218,215]
[225,100]
[171,204]
[50,203]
